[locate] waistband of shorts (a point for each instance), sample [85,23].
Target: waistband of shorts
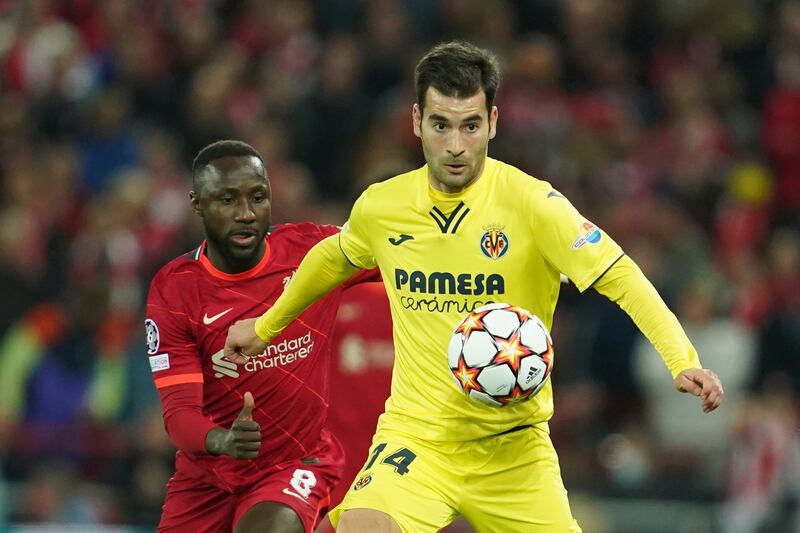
[512,430]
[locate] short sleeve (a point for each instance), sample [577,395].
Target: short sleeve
[171,348]
[571,243]
[354,237]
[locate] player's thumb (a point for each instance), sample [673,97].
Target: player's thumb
[247,410]
[687,384]
[229,350]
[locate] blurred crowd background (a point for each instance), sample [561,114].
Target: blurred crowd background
[672,124]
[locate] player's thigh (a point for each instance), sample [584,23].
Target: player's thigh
[367,520]
[302,488]
[270,516]
[193,506]
[520,489]
[403,480]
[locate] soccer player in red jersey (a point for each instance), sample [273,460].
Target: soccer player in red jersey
[253,450]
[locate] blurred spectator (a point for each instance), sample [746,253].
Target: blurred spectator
[764,462]
[782,110]
[337,101]
[688,444]
[780,331]
[108,144]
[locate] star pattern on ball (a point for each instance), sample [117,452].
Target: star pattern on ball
[466,376]
[521,313]
[511,351]
[474,321]
[517,395]
[547,357]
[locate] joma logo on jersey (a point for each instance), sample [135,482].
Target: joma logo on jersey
[448,283]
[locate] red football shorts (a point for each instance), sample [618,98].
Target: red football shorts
[303,485]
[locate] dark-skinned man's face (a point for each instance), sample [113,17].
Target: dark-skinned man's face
[234,201]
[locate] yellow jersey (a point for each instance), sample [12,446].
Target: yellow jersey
[505,238]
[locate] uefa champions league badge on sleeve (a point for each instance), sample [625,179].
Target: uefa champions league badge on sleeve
[591,235]
[153,340]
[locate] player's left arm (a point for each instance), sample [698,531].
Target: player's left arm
[625,284]
[590,258]
[324,268]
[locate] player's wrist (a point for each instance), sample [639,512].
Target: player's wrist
[676,373]
[262,332]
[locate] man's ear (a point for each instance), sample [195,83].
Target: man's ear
[195,202]
[416,118]
[493,115]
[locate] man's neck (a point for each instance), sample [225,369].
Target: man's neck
[229,265]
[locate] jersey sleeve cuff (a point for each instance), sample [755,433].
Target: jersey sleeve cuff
[178,379]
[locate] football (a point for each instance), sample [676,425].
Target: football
[500,354]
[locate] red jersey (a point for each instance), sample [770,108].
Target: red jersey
[361,373]
[190,307]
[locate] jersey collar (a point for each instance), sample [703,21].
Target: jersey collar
[217,273]
[431,195]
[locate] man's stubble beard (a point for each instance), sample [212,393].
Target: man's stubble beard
[240,262]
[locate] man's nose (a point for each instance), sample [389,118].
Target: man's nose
[456,146]
[245,213]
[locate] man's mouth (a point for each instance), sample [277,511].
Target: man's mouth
[244,238]
[455,168]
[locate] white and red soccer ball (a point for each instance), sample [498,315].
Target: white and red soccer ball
[500,354]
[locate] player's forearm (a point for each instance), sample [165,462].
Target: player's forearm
[324,268]
[184,420]
[188,431]
[626,285]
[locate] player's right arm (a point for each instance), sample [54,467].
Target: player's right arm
[178,376]
[330,263]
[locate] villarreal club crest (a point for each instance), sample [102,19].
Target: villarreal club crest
[494,243]
[362,482]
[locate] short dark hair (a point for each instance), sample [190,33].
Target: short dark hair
[218,150]
[458,69]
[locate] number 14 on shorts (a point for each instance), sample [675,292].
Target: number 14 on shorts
[400,460]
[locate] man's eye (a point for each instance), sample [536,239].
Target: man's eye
[472,127]
[440,126]
[227,200]
[259,198]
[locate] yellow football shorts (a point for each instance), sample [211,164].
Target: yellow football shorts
[506,483]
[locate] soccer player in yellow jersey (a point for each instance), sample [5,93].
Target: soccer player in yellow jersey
[460,232]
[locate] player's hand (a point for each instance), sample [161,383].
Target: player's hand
[243,440]
[702,383]
[242,342]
